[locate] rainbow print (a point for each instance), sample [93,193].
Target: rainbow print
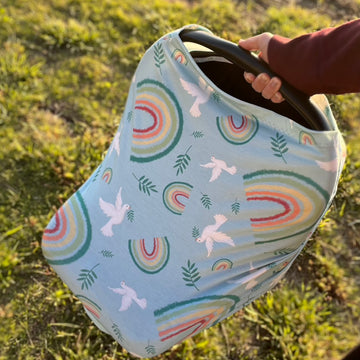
[237,131]
[90,306]
[152,261]
[107,175]
[306,138]
[179,57]
[222,264]
[184,319]
[172,195]
[286,204]
[158,121]
[68,235]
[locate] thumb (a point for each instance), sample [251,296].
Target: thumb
[257,43]
[250,44]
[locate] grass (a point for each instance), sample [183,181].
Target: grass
[65,69]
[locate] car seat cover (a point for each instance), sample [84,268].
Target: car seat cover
[200,206]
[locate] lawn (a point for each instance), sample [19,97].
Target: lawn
[65,70]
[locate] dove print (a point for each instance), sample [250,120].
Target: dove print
[115,145]
[210,234]
[128,296]
[330,166]
[217,167]
[200,91]
[339,155]
[116,213]
[250,278]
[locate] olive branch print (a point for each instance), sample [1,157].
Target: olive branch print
[145,185]
[87,277]
[117,332]
[130,215]
[206,201]
[107,253]
[279,146]
[150,349]
[159,56]
[197,134]
[182,162]
[216,96]
[235,207]
[191,275]
[97,173]
[195,232]
[130,116]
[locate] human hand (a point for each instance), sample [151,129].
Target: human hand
[268,87]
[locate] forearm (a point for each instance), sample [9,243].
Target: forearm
[326,61]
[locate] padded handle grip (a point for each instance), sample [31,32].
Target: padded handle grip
[249,62]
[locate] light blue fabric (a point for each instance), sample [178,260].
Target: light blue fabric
[200,206]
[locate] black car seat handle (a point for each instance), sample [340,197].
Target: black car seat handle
[313,116]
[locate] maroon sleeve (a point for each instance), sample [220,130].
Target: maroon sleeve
[326,61]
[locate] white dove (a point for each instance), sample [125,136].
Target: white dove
[128,295]
[217,167]
[249,278]
[201,93]
[116,213]
[210,234]
[115,144]
[333,165]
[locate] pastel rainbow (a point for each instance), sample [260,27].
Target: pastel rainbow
[90,306]
[184,319]
[179,57]
[306,138]
[302,200]
[222,264]
[68,235]
[150,261]
[107,175]
[172,195]
[237,132]
[156,102]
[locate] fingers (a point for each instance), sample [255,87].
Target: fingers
[249,77]
[268,87]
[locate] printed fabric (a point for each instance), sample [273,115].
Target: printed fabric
[200,206]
